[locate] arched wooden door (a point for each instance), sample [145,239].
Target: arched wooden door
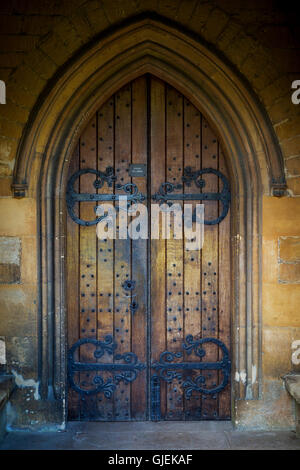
[148,320]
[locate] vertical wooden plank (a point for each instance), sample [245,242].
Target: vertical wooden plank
[139,250]
[174,248]
[224,292]
[88,265]
[122,314]
[73,286]
[192,259]
[210,269]
[158,254]
[105,253]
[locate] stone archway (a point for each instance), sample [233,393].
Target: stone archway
[150,46]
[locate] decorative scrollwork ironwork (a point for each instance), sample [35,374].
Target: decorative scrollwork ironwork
[134,196]
[126,371]
[155,398]
[166,191]
[167,369]
[190,176]
[131,360]
[130,189]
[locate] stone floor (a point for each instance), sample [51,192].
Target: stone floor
[151,436]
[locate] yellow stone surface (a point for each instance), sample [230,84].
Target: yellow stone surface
[289,273]
[277,351]
[29,260]
[270,264]
[280,304]
[17,216]
[293,166]
[18,308]
[5,186]
[294,185]
[281,229]
[281,217]
[289,249]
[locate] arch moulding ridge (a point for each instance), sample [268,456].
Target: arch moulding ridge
[253,155]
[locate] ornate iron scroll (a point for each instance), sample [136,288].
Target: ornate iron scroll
[167,369]
[155,399]
[130,191]
[166,191]
[125,371]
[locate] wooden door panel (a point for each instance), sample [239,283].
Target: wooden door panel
[190,284]
[192,259]
[174,262]
[105,250]
[224,397]
[122,262]
[104,265]
[210,269]
[177,297]
[139,248]
[158,247]
[87,267]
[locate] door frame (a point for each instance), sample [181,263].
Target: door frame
[164,49]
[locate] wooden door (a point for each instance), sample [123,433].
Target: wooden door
[148,319]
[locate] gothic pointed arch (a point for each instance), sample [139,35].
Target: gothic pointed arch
[254,158]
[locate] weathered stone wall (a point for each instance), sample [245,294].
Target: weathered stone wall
[262,43]
[280,314]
